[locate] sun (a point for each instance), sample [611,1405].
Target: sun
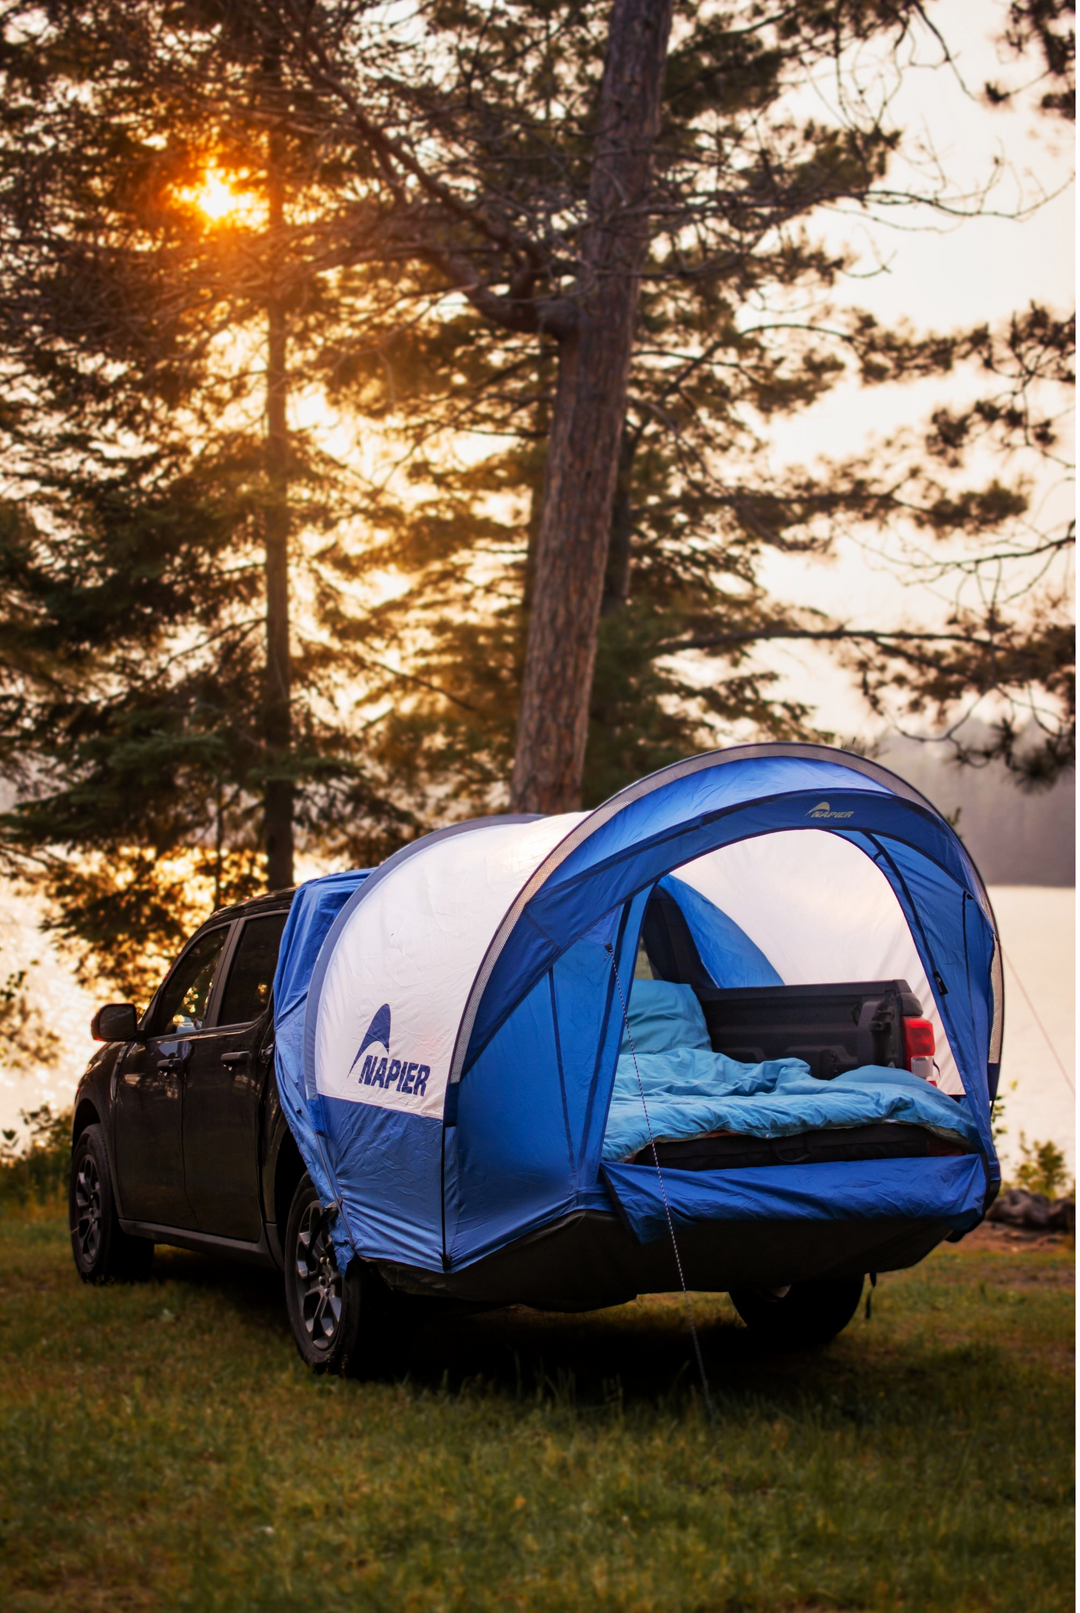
[218,199]
[215,196]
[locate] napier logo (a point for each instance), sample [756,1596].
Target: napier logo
[383,1071]
[823,810]
[378,1032]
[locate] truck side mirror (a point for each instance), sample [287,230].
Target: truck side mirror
[116,1022]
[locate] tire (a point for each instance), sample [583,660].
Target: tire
[348,1322]
[799,1317]
[102,1252]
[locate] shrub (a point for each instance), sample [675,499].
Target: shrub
[34,1170]
[1043,1169]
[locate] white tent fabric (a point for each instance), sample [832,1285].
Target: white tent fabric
[821,911]
[417,942]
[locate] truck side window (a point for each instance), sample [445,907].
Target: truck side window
[187,991]
[251,974]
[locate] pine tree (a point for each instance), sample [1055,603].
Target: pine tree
[171,716]
[486,142]
[735,331]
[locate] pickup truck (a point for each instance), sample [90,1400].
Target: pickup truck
[179,1136]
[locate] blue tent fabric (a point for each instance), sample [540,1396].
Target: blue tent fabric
[314,908]
[946,1190]
[568,901]
[533,1108]
[518,1141]
[388,1212]
[727,952]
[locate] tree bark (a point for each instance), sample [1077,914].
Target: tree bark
[588,418]
[616,595]
[278,799]
[545,371]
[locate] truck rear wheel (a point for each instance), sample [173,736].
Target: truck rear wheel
[102,1251]
[799,1317]
[346,1322]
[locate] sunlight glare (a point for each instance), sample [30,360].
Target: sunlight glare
[217,200]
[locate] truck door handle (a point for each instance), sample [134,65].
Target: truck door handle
[229,1059]
[172,1061]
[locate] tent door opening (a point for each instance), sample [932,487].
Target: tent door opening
[712,1076]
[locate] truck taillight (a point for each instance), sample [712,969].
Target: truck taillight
[918,1040]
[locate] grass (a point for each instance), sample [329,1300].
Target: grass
[163,1447]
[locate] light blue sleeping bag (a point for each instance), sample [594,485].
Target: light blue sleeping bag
[677,1087]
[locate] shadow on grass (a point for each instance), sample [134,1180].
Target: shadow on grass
[255,1294]
[643,1344]
[638,1354]
[642,1355]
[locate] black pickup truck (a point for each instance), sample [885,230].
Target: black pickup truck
[179,1136]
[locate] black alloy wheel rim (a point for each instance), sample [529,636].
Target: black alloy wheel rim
[88,1217]
[317,1279]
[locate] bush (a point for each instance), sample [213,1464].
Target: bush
[1043,1169]
[35,1169]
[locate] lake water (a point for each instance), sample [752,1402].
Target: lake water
[1037,925]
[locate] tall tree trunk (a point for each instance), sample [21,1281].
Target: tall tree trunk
[588,419]
[545,373]
[278,800]
[616,595]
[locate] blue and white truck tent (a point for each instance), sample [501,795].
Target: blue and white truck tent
[447,1026]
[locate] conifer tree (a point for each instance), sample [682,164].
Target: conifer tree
[735,329]
[165,301]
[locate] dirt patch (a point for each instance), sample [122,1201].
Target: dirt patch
[993,1238]
[1015,1240]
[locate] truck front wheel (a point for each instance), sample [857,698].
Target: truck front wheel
[101,1249]
[799,1317]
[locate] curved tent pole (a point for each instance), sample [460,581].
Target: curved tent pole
[464,1050]
[578,836]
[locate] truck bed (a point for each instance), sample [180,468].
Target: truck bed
[834,1028]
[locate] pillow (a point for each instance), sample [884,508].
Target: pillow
[664,1015]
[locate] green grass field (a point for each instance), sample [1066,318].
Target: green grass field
[163,1447]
